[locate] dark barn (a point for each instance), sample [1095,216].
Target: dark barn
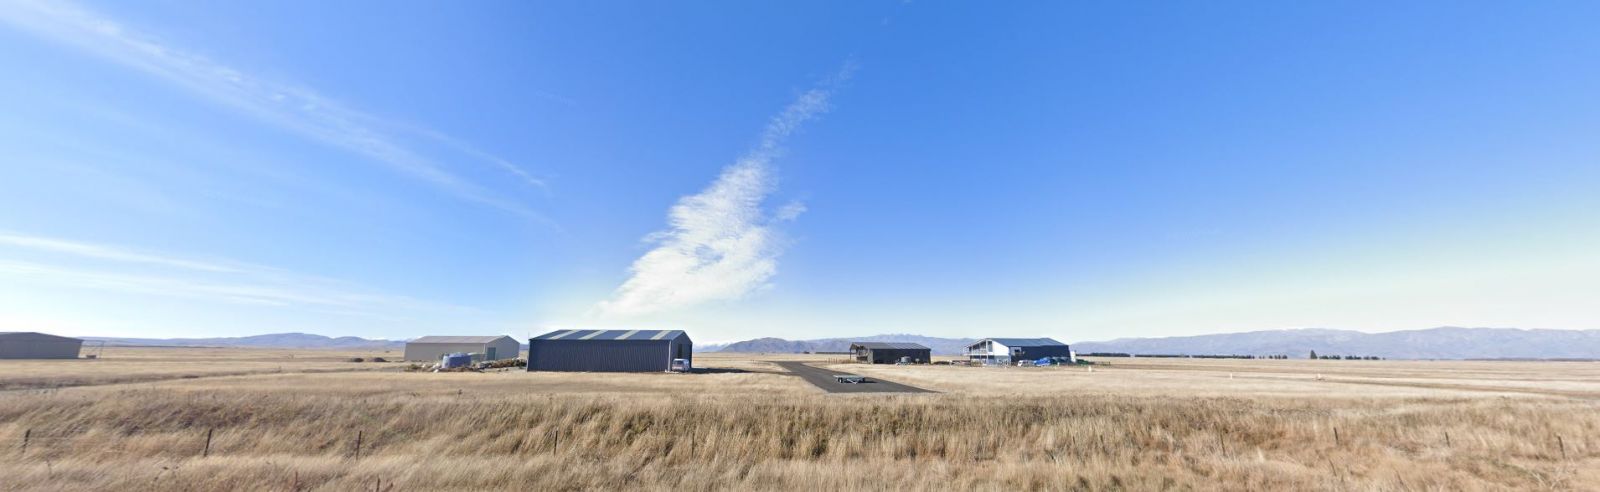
[608,350]
[889,352]
[30,345]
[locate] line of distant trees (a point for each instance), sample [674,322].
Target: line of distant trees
[1182,356]
[1344,357]
[1192,356]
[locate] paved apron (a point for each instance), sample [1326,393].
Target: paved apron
[823,378]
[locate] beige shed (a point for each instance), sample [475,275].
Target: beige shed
[433,347]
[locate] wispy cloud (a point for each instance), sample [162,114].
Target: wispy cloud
[106,253]
[297,109]
[114,268]
[720,243]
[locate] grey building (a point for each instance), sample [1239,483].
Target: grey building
[30,345]
[1009,350]
[889,352]
[492,347]
[608,350]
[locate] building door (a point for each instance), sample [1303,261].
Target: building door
[490,354]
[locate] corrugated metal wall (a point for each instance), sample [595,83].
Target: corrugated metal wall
[431,352]
[890,356]
[683,349]
[1033,353]
[607,355]
[505,348]
[39,349]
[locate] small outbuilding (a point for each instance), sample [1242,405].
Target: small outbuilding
[31,345]
[1008,350]
[492,347]
[609,350]
[889,352]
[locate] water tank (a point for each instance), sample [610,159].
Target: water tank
[458,359]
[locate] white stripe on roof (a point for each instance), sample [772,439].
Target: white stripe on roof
[628,334]
[661,334]
[592,335]
[557,337]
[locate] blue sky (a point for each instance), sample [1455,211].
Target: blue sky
[801,170]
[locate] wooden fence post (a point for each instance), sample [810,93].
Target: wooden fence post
[26,435]
[1336,440]
[207,452]
[358,444]
[1563,444]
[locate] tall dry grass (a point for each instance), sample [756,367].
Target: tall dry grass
[276,437]
[122,365]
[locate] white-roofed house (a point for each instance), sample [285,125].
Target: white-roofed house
[1009,350]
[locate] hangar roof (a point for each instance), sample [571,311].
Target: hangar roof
[1025,342]
[35,336]
[610,335]
[458,339]
[890,345]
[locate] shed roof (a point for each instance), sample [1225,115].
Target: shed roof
[890,345]
[459,339]
[35,336]
[612,335]
[1025,342]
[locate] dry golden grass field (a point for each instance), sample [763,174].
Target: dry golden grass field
[136,364]
[139,419]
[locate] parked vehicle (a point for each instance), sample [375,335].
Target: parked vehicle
[1053,361]
[452,361]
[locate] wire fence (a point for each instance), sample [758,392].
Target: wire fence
[198,443]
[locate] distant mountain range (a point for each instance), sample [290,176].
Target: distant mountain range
[1433,343]
[943,346]
[274,340]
